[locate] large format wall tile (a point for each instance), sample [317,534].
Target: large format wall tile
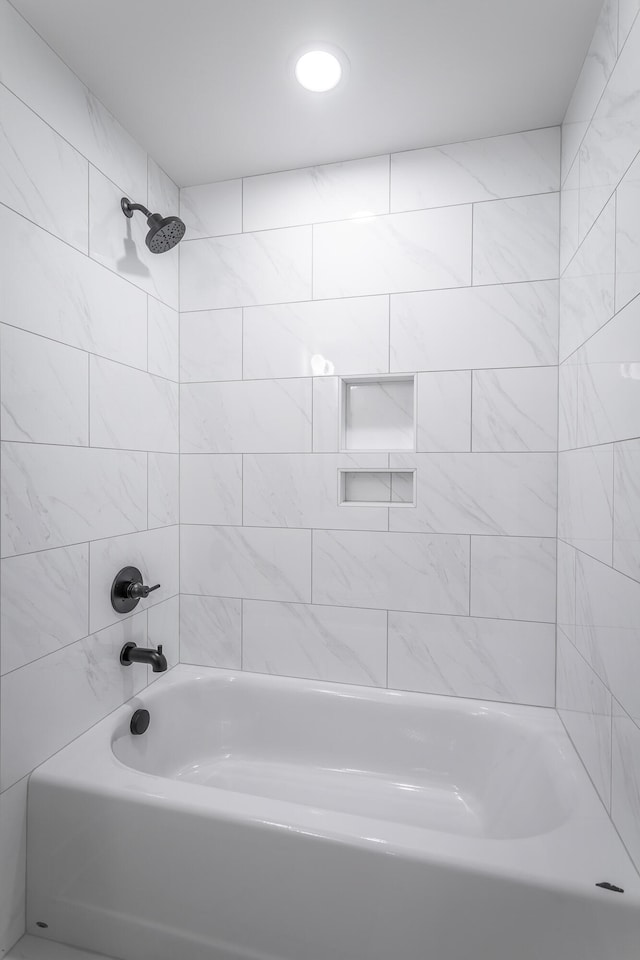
[270,266]
[41,176]
[512,494]
[212,210]
[628,236]
[566,587]
[51,289]
[132,410]
[468,657]
[596,70]
[402,571]
[249,416]
[35,717]
[81,494]
[627,12]
[490,169]
[608,628]
[516,240]
[609,381]
[515,325]
[587,286]
[211,631]
[585,500]
[333,191]
[584,703]
[626,514]
[625,785]
[163,332]
[322,643]
[254,563]
[211,488]
[317,338]
[163,487]
[513,578]
[515,409]
[60,579]
[613,138]
[211,345]
[44,389]
[404,251]
[443,411]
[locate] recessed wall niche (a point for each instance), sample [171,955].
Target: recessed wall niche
[361,487]
[377,413]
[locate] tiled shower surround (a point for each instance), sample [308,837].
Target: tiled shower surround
[89,421]
[599,461]
[441,265]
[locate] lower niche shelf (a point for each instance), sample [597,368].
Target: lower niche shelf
[381,488]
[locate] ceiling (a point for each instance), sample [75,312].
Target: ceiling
[206,86]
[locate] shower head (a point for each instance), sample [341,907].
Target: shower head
[164,232]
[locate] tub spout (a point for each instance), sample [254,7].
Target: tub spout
[132,653]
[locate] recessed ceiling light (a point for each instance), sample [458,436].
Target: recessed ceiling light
[318,71]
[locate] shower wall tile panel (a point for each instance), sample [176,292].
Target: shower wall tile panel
[213,209]
[334,191]
[89,420]
[316,338]
[270,266]
[421,250]
[476,170]
[599,495]
[472,657]
[211,345]
[365,268]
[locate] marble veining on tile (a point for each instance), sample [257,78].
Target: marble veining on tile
[473,170]
[516,239]
[319,642]
[470,657]
[210,631]
[402,571]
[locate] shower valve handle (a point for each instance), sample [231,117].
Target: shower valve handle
[138,590]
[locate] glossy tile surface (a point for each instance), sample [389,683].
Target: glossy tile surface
[270,266]
[403,571]
[471,657]
[248,416]
[404,251]
[515,240]
[333,191]
[319,642]
[475,170]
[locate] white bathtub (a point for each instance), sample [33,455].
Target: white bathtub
[262,817]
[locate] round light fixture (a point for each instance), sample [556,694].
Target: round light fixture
[318,71]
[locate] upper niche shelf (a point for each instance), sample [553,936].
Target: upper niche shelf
[378,413]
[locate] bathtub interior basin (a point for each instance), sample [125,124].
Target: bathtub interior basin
[463,767]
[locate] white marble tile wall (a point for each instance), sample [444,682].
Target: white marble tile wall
[599,497]
[88,425]
[441,264]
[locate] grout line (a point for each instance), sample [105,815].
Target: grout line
[360,606]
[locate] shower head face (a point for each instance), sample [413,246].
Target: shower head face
[164,233]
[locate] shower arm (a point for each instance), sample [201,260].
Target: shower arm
[128,208]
